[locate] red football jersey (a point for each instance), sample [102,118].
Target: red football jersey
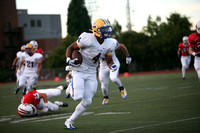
[184,49]
[32,97]
[194,41]
[39,50]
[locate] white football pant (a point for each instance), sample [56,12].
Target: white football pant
[26,78]
[197,65]
[84,86]
[185,62]
[50,93]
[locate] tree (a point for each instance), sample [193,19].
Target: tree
[78,20]
[116,29]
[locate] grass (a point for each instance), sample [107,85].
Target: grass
[156,103]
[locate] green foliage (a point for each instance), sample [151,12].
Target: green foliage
[156,48]
[78,20]
[57,57]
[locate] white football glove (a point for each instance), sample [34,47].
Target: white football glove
[113,67]
[35,75]
[45,109]
[128,60]
[71,62]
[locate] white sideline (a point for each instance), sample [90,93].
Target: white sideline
[153,125]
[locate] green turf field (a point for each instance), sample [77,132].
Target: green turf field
[158,103]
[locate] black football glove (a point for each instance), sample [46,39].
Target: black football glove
[198,54]
[13,68]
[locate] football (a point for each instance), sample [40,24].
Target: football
[78,55]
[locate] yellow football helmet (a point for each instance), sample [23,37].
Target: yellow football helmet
[101,28]
[22,47]
[29,48]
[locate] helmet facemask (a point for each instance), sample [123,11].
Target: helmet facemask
[106,31]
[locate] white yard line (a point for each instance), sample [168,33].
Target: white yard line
[113,113]
[67,115]
[153,125]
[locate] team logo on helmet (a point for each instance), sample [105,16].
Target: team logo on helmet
[26,109]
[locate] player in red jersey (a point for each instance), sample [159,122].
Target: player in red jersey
[39,100]
[194,48]
[183,53]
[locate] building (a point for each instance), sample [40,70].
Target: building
[44,28]
[11,37]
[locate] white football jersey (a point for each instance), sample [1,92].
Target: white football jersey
[31,62]
[103,62]
[92,52]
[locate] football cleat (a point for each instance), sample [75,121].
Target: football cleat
[68,124]
[60,87]
[62,104]
[65,87]
[105,101]
[123,93]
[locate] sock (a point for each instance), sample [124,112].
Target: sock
[121,88]
[80,109]
[106,97]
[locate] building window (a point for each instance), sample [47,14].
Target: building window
[25,25]
[32,23]
[39,23]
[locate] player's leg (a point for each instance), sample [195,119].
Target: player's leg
[51,106]
[51,92]
[188,61]
[90,89]
[22,82]
[197,66]
[184,65]
[104,80]
[114,78]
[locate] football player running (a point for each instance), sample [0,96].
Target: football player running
[183,53]
[93,47]
[38,99]
[105,73]
[194,48]
[32,68]
[40,51]
[16,62]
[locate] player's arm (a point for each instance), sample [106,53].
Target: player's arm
[21,63]
[124,49]
[39,67]
[109,60]
[43,96]
[15,61]
[73,46]
[69,61]
[191,51]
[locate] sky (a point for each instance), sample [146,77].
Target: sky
[116,10]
